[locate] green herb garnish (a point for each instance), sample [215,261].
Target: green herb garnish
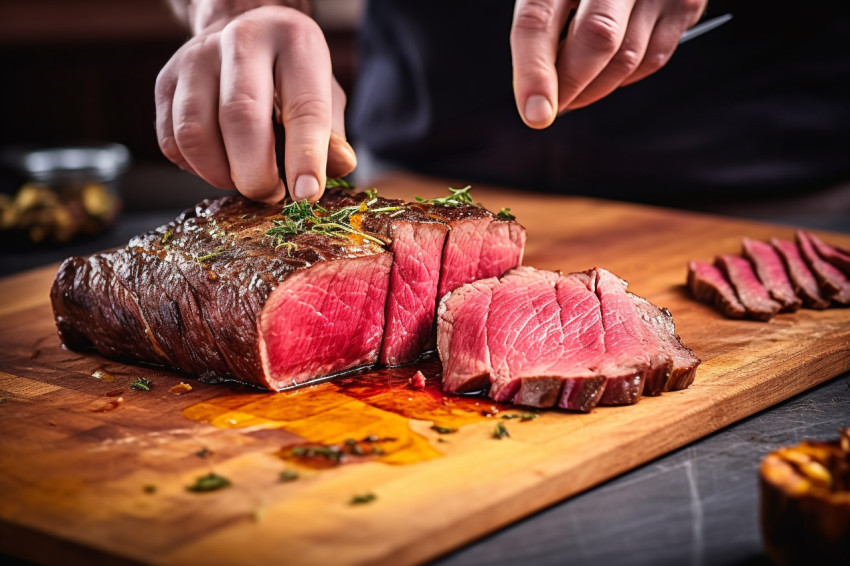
[2,399]
[166,237]
[457,197]
[371,193]
[505,214]
[300,217]
[288,475]
[210,482]
[209,256]
[501,431]
[524,417]
[141,384]
[330,452]
[443,429]
[338,184]
[363,498]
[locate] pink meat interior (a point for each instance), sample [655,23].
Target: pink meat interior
[324,320]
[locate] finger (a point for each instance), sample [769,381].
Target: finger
[662,45]
[166,83]
[536,27]
[628,58]
[245,109]
[195,116]
[341,157]
[304,80]
[594,37]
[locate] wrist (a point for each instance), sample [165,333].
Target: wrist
[203,14]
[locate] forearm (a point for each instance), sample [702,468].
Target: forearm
[200,14]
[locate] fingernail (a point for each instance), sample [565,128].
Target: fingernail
[306,187]
[538,111]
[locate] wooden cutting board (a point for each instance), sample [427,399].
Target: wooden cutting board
[91,469]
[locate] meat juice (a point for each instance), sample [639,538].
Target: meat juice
[364,416]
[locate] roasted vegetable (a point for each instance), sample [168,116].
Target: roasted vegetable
[805,502]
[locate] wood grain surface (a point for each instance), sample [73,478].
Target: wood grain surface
[92,470]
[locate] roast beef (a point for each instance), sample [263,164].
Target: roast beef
[804,282]
[217,295]
[838,257]
[210,295]
[833,283]
[749,289]
[709,285]
[772,273]
[539,338]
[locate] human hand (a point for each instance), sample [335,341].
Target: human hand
[609,43]
[216,97]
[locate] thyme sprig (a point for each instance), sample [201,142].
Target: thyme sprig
[300,217]
[457,197]
[141,384]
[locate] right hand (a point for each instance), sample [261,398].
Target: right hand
[216,98]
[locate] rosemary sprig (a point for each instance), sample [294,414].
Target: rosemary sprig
[457,197]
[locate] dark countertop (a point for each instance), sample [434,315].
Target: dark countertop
[697,505]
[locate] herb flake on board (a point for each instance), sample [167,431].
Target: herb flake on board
[501,431]
[141,384]
[363,498]
[443,429]
[288,475]
[210,482]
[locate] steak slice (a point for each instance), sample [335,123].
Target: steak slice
[210,295]
[772,273]
[709,285]
[838,257]
[833,283]
[751,292]
[804,282]
[539,338]
[682,361]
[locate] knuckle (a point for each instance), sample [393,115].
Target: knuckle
[535,16]
[306,107]
[189,134]
[241,32]
[626,61]
[656,60]
[240,110]
[168,147]
[600,32]
[691,6]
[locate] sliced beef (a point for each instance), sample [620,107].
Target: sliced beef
[838,257]
[210,295]
[804,282]
[772,273]
[709,285]
[539,338]
[833,283]
[749,289]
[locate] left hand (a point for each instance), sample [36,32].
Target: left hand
[609,43]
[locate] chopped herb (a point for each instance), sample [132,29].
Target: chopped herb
[363,498]
[141,384]
[300,217]
[210,482]
[371,193]
[443,440]
[443,429]
[501,431]
[204,452]
[149,488]
[338,184]
[166,237]
[209,256]
[505,214]
[288,475]
[457,197]
[2,399]
[330,452]
[524,417]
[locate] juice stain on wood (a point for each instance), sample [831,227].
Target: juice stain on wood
[358,417]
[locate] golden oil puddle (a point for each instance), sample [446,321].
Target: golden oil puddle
[354,418]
